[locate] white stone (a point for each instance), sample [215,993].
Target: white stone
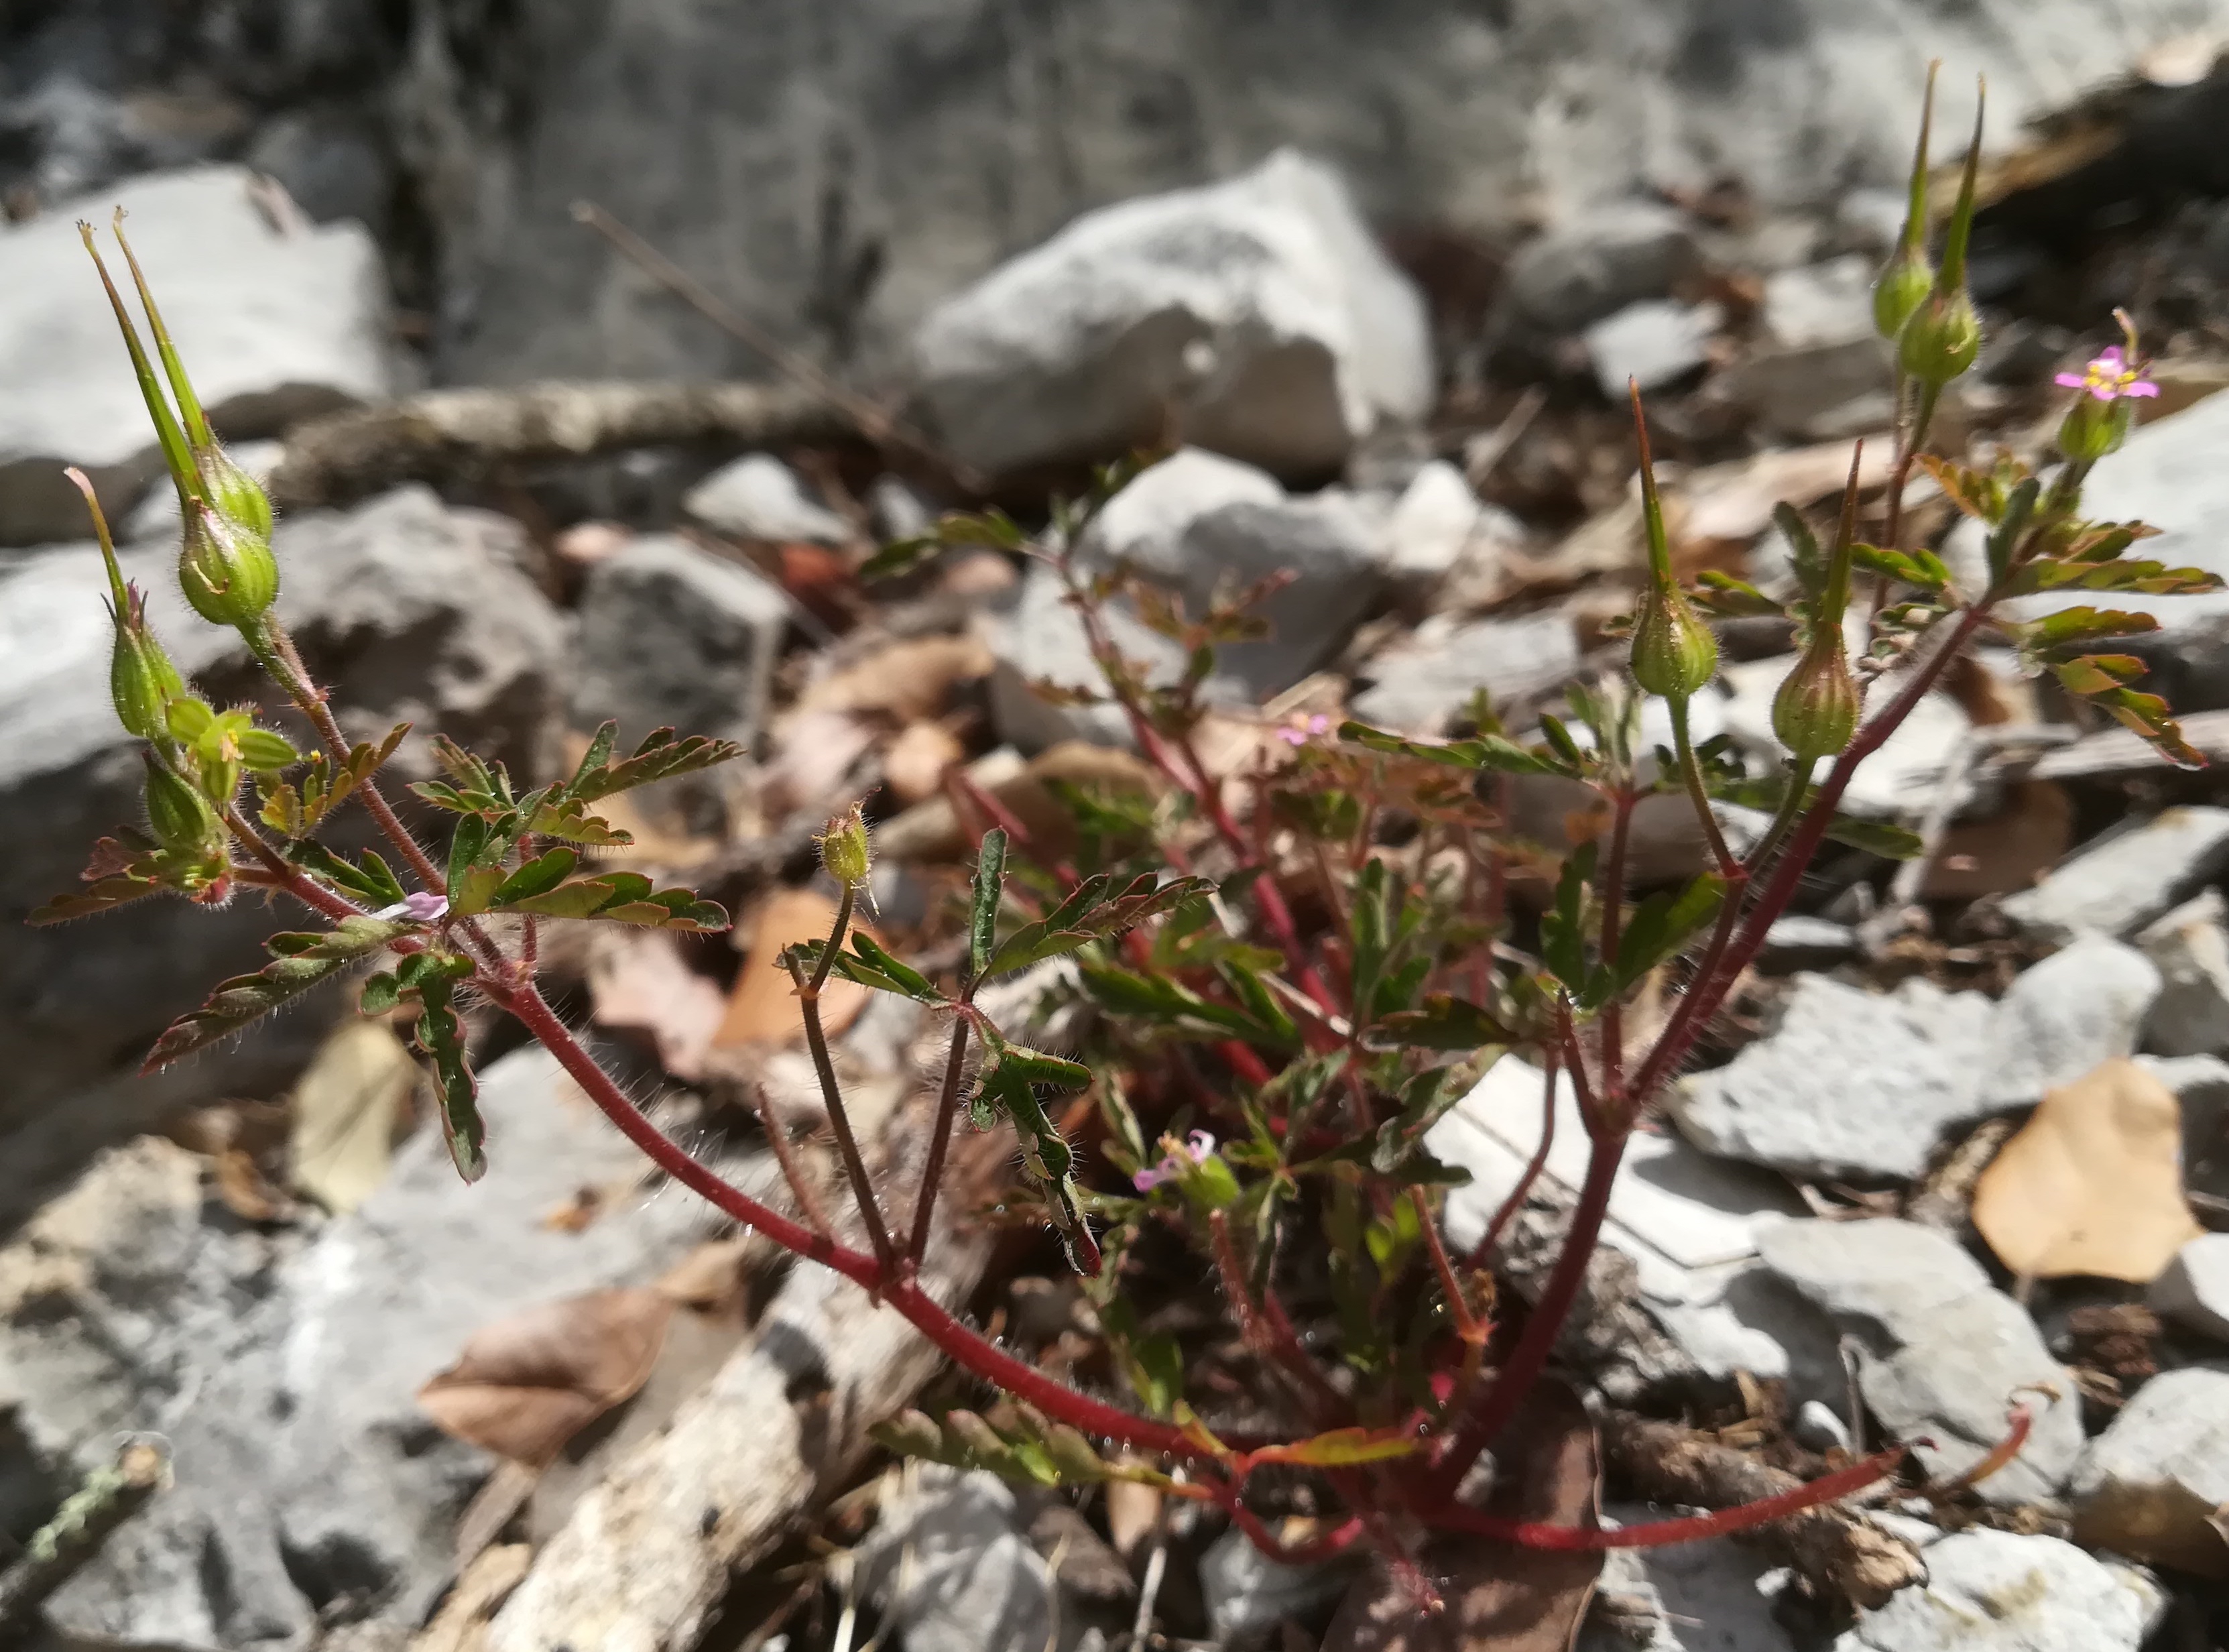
[2150,1484]
[1592,264]
[1249,1593]
[1943,1356]
[271,328]
[1651,343]
[950,1561]
[1690,1223]
[2191,947]
[2120,883]
[1714,1596]
[759,498]
[1259,311]
[2001,1591]
[1821,304]
[2194,1289]
[2080,1006]
[1438,525]
[1419,684]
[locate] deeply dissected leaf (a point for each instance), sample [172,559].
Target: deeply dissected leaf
[299,962]
[118,871]
[1874,837]
[1486,751]
[527,1384]
[1722,594]
[296,812]
[369,878]
[1092,913]
[1013,1440]
[569,820]
[1563,927]
[1920,568]
[1175,1008]
[431,977]
[2077,628]
[1008,1084]
[2146,578]
[622,897]
[660,756]
[1441,1023]
[867,964]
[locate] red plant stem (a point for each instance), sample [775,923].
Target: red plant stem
[2023,1420]
[1709,990]
[279,875]
[966,1349]
[1467,1323]
[1254,1327]
[1657,1535]
[1329,1546]
[1481,1254]
[940,1135]
[831,1094]
[1530,1357]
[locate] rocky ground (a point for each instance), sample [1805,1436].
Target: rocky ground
[1967,1135]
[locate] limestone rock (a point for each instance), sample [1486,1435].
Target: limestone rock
[2128,879]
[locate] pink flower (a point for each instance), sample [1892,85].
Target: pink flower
[1180,1157]
[419,906]
[2110,376]
[1302,729]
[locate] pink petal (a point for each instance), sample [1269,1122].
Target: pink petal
[2072,381]
[2104,392]
[1146,1180]
[1202,1144]
[2110,358]
[2142,386]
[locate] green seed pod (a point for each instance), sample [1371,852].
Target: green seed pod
[1942,339]
[843,849]
[227,572]
[235,495]
[180,816]
[1908,276]
[1815,713]
[1675,654]
[142,681]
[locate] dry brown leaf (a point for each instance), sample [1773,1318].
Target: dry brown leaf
[1133,1510]
[930,831]
[813,757]
[712,1276]
[914,761]
[350,1105]
[639,983]
[1500,1597]
[2007,851]
[2092,1183]
[246,1192]
[763,1007]
[908,680]
[525,1385]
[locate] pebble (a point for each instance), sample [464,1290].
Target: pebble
[1421,684]
[2148,1486]
[2061,1017]
[2191,947]
[950,1561]
[2194,1289]
[2001,1591]
[759,498]
[1592,265]
[1942,1351]
[2122,882]
[1249,1593]
[1651,343]
[1795,942]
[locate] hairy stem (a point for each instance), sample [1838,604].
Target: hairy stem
[940,1136]
[1690,776]
[832,1093]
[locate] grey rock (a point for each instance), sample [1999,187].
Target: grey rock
[2194,1289]
[1258,313]
[284,1368]
[1193,522]
[1689,1224]
[950,1562]
[2151,1482]
[673,635]
[2001,1591]
[273,328]
[1418,686]
[409,609]
[2201,1083]
[1847,1084]
[2190,946]
[2079,1006]
[895,511]
[333,160]
[1818,1426]
[1651,343]
[1814,392]
[2120,883]
[1941,1352]
[1715,1595]
[1438,525]
[1593,264]
[1819,303]
[1795,942]
[1249,1594]
[757,496]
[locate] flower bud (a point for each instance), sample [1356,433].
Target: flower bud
[227,572]
[1815,712]
[843,849]
[2092,428]
[180,816]
[1942,339]
[142,681]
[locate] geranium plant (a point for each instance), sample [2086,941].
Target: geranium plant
[1298,968]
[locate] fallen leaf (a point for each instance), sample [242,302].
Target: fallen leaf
[2092,1183]
[907,680]
[914,761]
[350,1106]
[525,1385]
[246,1192]
[763,1007]
[711,1277]
[1133,1510]
[577,1213]
[639,983]
[820,579]
[1500,1597]
[811,762]
[2009,850]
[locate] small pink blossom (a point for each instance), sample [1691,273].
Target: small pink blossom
[1302,729]
[1180,1157]
[2109,378]
[419,906]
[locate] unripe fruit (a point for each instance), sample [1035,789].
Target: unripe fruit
[142,681]
[1815,713]
[1942,339]
[1905,283]
[843,849]
[179,815]
[233,493]
[227,572]
[1674,655]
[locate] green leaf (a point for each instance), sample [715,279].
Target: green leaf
[866,965]
[900,556]
[299,962]
[1664,924]
[622,897]
[2004,538]
[538,876]
[369,879]
[116,873]
[440,1034]
[1443,1023]
[569,820]
[381,994]
[470,842]
[2078,627]
[1485,751]
[1722,594]
[1089,915]
[983,906]
[1562,929]
[1922,569]
[1802,549]
[2148,715]
[1178,1009]
[1874,837]
[2146,578]
[660,756]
